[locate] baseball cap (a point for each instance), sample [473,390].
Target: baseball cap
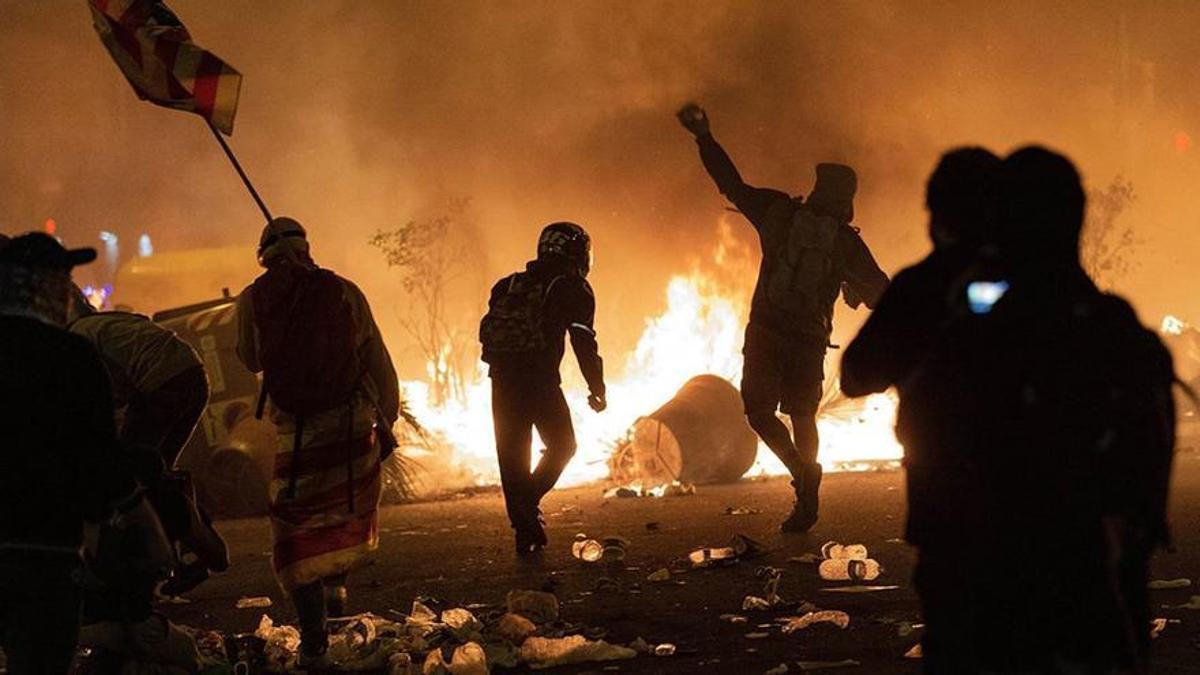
[37,249]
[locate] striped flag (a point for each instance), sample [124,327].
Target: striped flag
[156,54]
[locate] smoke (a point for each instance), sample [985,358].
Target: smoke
[358,116]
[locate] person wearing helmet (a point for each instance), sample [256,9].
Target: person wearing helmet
[810,254]
[523,337]
[331,390]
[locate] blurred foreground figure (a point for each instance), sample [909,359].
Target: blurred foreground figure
[1050,406]
[334,397]
[810,254]
[961,198]
[60,463]
[529,313]
[159,391]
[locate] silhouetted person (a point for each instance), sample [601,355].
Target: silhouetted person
[961,199]
[60,463]
[810,253]
[329,380]
[1052,405]
[529,314]
[160,390]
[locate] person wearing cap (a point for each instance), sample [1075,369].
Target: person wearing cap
[331,390]
[61,465]
[810,254]
[160,391]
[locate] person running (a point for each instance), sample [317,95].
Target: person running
[523,337]
[333,396]
[810,254]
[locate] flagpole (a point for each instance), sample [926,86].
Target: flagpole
[237,165]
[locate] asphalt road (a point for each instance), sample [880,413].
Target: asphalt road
[459,551]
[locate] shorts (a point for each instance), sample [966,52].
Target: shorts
[782,373]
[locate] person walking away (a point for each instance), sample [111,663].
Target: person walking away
[1059,401]
[810,253]
[333,395]
[961,199]
[160,391]
[60,464]
[523,337]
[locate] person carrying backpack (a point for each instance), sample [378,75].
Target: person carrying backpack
[810,254]
[522,334]
[331,390]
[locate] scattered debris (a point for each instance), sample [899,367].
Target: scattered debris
[753,603]
[587,550]
[777,670]
[665,649]
[515,628]
[1164,584]
[915,652]
[734,618]
[536,606]
[832,550]
[806,559]
[659,575]
[1157,626]
[741,511]
[740,547]
[672,489]
[757,636]
[543,652]
[849,569]
[260,602]
[1193,603]
[833,616]
[827,665]
[858,589]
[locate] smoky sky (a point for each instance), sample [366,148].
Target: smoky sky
[359,115]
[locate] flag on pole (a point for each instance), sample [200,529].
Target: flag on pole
[156,54]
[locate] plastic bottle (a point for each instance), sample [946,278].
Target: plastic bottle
[836,551]
[844,569]
[709,556]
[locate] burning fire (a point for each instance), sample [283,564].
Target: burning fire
[699,332]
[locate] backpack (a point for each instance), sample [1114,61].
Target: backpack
[515,320]
[307,345]
[803,265]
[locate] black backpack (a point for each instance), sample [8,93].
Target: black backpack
[802,266]
[307,346]
[515,320]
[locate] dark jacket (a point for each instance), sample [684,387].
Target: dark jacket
[770,212]
[904,324]
[60,464]
[569,309]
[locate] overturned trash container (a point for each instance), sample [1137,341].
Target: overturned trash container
[699,436]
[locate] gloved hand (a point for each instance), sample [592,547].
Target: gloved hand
[694,119]
[597,402]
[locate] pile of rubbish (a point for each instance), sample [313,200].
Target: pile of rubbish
[456,641]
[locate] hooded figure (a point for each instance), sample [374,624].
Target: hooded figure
[810,255]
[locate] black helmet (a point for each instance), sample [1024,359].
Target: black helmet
[568,241]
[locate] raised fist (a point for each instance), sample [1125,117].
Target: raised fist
[694,119]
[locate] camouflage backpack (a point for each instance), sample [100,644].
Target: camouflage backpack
[803,265]
[514,322]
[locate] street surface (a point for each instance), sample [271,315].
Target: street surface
[459,551]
